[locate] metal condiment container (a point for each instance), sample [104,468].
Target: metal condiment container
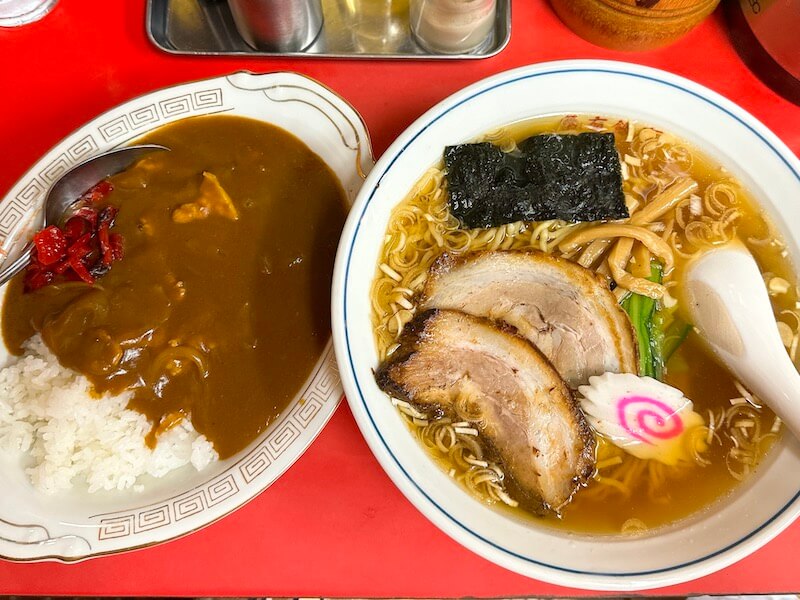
[278,25]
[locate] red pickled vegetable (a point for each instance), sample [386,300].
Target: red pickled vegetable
[76,264]
[36,278]
[98,193]
[83,250]
[89,214]
[103,237]
[105,221]
[51,245]
[81,247]
[75,227]
[108,215]
[60,267]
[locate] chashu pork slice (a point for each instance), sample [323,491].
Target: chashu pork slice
[564,309]
[517,401]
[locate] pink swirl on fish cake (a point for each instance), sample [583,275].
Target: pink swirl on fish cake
[654,412]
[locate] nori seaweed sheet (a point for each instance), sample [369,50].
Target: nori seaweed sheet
[571,177]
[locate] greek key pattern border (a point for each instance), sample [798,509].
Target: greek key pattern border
[284,440]
[251,470]
[117,129]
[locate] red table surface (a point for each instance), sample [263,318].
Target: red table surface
[333,525]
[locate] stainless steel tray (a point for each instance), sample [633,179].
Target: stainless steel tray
[352,29]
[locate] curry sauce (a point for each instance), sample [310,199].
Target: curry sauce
[220,308]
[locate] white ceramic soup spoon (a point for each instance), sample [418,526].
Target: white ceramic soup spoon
[729,306]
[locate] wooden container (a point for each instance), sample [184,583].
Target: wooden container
[632,24]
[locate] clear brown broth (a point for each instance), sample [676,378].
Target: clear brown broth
[695,371]
[691,369]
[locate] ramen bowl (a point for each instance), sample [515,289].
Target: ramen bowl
[710,539]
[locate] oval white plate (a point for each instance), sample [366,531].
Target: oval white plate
[758,511]
[78,525]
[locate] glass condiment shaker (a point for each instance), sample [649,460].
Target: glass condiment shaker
[377,26]
[452,26]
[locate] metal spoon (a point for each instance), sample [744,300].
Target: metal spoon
[729,305]
[71,185]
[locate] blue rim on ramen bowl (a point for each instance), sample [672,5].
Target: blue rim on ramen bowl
[705,542]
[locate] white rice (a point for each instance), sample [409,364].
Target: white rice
[65,437]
